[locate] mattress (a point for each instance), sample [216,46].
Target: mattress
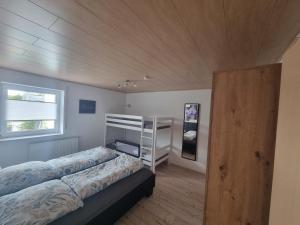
[159,154]
[190,135]
[101,201]
[149,125]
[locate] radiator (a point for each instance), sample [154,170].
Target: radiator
[44,151]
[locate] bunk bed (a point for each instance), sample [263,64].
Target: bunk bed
[148,129]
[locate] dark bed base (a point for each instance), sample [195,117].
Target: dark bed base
[118,209]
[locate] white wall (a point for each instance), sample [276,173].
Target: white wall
[171,103]
[285,202]
[88,127]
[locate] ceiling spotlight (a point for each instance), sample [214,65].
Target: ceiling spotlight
[129,83]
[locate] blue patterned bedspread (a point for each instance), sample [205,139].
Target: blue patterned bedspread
[90,181]
[30,198]
[73,163]
[18,177]
[39,204]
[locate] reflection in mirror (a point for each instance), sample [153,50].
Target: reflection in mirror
[190,131]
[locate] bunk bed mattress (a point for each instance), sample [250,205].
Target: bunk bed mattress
[97,204]
[159,154]
[90,181]
[190,135]
[149,125]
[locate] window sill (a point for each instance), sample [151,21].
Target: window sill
[29,137]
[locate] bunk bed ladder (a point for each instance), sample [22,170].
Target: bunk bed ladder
[141,139]
[152,140]
[153,158]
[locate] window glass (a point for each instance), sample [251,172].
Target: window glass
[30,110]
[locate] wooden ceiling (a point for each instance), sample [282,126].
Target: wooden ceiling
[177,43]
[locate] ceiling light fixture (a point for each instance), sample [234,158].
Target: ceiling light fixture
[131,83]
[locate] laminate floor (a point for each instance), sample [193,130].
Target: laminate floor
[178,199]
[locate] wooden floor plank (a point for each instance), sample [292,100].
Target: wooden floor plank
[178,199]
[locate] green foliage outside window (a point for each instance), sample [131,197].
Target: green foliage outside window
[15,97]
[28,125]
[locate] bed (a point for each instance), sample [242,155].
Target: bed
[109,205]
[153,136]
[96,186]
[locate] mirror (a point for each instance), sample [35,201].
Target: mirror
[190,131]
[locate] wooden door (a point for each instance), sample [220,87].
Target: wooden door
[242,144]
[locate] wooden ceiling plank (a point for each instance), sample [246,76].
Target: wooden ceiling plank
[92,58]
[283,28]
[40,32]
[29,47]
[162,19]
[119,16]
[151,65]
[113,46]
[177,43]
[72,65]
[73,12]
[30,61]
[7,48]
[246,20]
[37,52]
[29,11]
[52,61]
[39,69]
[98,29]
[205,21]
[63,68]
[33,29]
[14,33]
[67,6]
[70,31]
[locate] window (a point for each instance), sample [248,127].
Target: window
[29,111]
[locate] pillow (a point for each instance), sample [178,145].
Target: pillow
[18,177]
[39,204]
[73,163]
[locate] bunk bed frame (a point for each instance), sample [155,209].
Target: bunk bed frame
[156,155]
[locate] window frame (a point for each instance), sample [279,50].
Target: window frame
[59,122]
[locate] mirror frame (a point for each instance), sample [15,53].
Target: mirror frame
[198,119]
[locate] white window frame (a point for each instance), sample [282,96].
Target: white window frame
[59,123]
